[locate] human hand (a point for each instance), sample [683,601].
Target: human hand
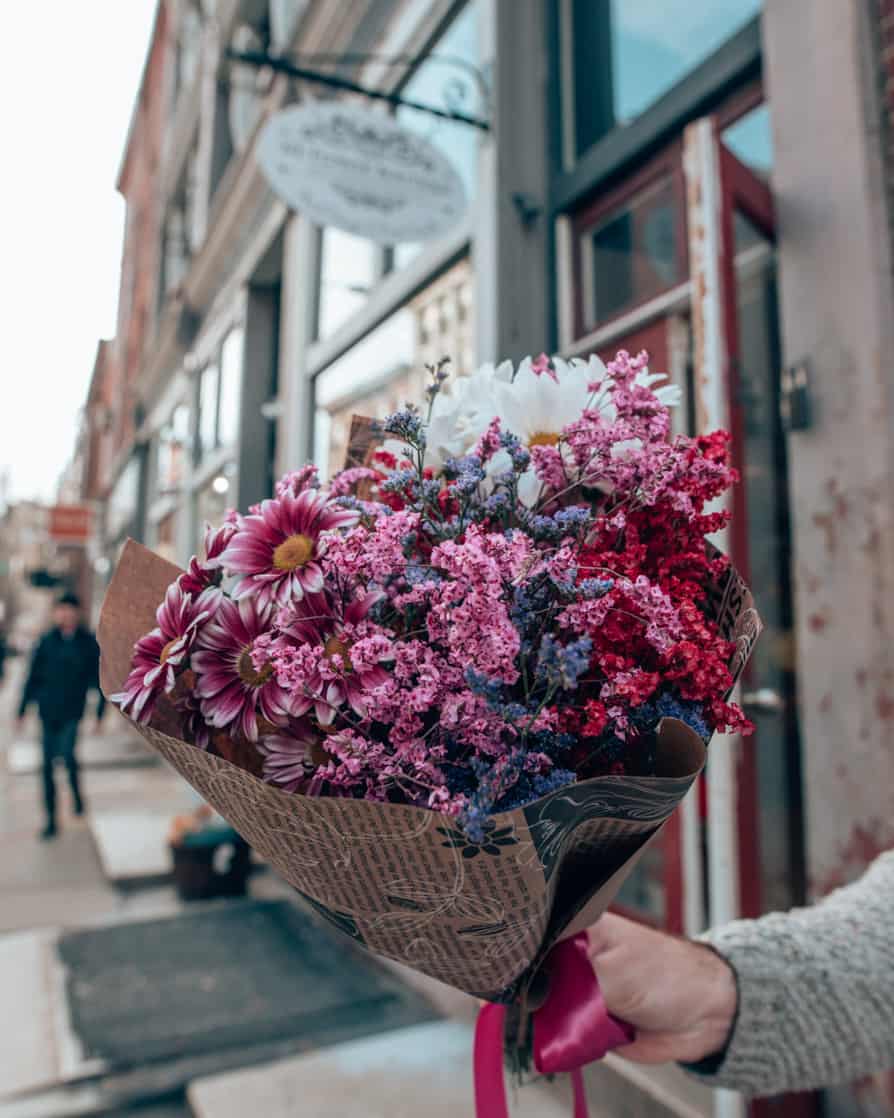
[97,727]
[680,996]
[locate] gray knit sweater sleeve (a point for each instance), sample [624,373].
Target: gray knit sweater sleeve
[816,991]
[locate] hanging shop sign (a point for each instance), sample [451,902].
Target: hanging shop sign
[70,524]
[361,171]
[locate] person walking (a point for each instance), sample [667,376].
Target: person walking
[64,667]
[792,1001]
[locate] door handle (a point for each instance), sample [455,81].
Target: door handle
[764,699]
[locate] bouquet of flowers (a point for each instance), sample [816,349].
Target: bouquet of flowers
[453,695]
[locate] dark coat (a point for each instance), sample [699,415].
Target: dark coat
[63,670]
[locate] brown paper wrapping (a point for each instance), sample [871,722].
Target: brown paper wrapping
[406,882]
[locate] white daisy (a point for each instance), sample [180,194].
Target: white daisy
[540,402]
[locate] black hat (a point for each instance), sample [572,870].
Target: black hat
[69,599]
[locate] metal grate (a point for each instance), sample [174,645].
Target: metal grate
[227,976]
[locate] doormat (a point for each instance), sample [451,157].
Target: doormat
[229,976]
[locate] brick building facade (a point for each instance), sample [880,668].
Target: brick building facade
[710,180]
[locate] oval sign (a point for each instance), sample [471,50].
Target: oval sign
[360,171]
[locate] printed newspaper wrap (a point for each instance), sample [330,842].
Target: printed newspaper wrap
[406,882]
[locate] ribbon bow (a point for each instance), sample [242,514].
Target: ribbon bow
[572,1028]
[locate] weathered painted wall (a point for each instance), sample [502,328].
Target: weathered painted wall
[837,311]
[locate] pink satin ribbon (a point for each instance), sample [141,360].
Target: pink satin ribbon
[571,1029]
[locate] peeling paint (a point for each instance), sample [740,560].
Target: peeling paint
[862,847]
[884,706]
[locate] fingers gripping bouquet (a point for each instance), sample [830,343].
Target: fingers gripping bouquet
[452,697]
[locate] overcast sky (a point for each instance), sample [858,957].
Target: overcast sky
[67,84]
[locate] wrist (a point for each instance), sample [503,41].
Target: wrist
[719,1000]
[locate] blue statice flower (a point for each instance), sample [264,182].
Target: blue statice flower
[431,490]
[505,480]
[562,665]
[497,503]
[565,522]
[407,425]
[400,480]
[483,685]
[515,712]
[519,455]
[669,705]
[416,573]
[543,528]
[574,518]
[529,788]
[529,602]
[438,373]
[595,587]
[555,745]
[465,473]
[493,781]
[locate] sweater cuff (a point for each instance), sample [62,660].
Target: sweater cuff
[749,1062]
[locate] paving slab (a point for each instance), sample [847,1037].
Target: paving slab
[29,1059]
[426,1070]
[95,751]
[133,845]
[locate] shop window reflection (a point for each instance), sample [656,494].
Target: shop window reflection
[349,268]
[632,254]
[442,84]
[231,359]
[387,368]
[624,56]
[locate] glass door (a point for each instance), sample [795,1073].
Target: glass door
[756,863]
[769,793]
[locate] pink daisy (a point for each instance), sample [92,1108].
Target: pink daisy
[290,760]
[234,680]
[207,572]
[162,653]
[338,677]
[275,553]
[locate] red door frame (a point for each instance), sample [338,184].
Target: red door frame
[743,191]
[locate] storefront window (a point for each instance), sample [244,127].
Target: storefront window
[349,268]
[214,498]
[373,378]
[231,359]
[624,56]
[170,462]
[387,368]
[121,510]
[632,254]
[166,537]
[440,82]
[206,428]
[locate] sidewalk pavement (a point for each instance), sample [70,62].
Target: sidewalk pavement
[426,1070]
[58,885]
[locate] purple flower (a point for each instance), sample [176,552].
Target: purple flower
[204,573]
[275,553]
[288,759]
[162,653]
[235,684]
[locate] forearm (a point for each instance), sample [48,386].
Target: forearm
[815,991]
